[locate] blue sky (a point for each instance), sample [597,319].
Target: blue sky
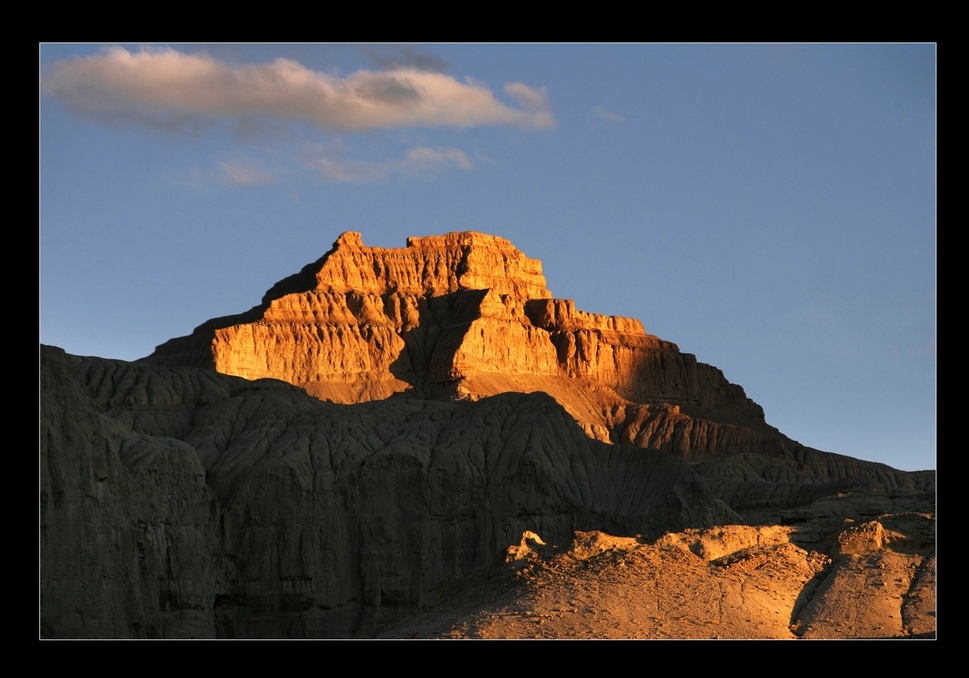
[770,208]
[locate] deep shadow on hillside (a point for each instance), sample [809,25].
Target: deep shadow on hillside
[183,503]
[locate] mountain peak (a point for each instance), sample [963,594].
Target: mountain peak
[432,266]
[349,239]
[466,315]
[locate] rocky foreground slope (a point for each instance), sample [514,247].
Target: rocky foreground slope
[440,405]
[874,578]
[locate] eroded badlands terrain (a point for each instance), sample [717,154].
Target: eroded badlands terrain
[424,443]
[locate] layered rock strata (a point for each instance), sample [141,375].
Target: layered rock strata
[468,315]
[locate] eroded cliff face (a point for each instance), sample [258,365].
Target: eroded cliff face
[467,315]
[129,530]
[186,503]
[183,503]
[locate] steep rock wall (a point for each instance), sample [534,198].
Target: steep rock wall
[129,530]
[185,503]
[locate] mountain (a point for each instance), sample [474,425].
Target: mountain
[386,423]
[460,315]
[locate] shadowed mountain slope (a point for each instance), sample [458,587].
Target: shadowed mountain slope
[182,502]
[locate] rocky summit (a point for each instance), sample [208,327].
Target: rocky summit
[391,432]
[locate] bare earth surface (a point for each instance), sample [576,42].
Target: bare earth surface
[736,582]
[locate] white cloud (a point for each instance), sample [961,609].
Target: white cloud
[168,88]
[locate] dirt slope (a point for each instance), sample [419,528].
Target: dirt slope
[874,579]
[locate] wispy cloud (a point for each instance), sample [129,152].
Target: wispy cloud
[420,162]
[170,89]
[535,100]
[609,116]
[236,174]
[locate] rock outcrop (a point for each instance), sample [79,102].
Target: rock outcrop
[468,315]
[869,579]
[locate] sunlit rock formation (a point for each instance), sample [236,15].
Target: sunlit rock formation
[467,315]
